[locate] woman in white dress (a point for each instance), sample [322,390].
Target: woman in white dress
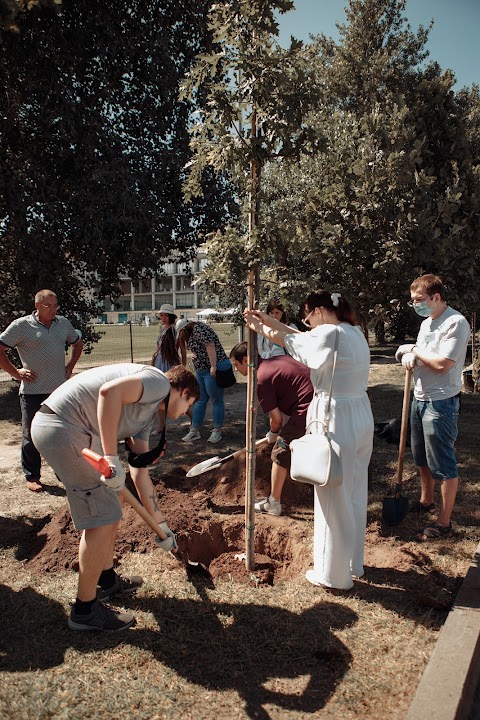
[340,512]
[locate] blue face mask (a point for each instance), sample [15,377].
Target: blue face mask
[422,309]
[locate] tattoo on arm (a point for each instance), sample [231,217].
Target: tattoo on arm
[154,499]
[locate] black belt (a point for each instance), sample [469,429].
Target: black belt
[46,409]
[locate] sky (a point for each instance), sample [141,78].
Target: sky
[454,40]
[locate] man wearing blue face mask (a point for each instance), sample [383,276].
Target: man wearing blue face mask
[437,359]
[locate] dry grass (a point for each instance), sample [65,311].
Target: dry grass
[290,651]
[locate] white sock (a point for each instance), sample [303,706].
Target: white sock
[272,500]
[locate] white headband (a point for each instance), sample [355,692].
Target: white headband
[335,298]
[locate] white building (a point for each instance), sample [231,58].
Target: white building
[144,298]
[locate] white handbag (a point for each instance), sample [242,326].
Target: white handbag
[316,458]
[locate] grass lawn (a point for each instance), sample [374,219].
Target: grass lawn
[287,651]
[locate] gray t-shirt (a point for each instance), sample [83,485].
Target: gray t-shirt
[76,400]
[41,350]
[447,337]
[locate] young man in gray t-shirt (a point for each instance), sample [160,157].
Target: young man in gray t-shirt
[95,410]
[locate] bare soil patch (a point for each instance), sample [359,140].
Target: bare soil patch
[262,644]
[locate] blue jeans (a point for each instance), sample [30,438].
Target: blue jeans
[31,460]
[209,390]
[434,431]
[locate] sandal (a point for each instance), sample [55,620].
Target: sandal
[435,532]
[419,507]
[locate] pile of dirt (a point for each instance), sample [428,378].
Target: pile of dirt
[206,513]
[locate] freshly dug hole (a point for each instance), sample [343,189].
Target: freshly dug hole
[207,515]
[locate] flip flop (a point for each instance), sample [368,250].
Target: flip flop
[418,507]
[435,532]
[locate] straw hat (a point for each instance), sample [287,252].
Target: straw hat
[167,308]
[180,324]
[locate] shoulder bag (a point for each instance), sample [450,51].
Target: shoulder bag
[316,458]
[225,378]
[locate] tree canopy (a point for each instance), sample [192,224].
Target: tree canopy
[393,190]
[94,142]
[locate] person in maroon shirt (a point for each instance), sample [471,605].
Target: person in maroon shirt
[284,392]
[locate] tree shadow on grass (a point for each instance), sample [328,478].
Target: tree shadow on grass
[426,598]
[258,651]
[33,635]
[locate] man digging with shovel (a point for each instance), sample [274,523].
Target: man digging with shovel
[284,391]
[95,410]
[437,359]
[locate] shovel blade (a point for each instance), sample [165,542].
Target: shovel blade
[204,466]
[394,509]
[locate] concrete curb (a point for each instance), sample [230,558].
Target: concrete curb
[449,683]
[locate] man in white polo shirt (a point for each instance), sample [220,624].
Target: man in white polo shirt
[40,340]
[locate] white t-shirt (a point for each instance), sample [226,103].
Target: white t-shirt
[268,349]
[76,400]
[447,337]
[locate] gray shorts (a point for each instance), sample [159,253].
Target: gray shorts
[91,503]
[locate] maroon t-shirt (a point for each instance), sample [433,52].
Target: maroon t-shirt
[284,383]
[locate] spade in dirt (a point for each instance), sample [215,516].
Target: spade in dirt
[100,463]
[395,508]
[216,462]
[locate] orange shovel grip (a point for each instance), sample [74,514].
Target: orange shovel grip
[97,461]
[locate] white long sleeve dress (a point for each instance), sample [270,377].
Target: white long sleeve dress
[340,513]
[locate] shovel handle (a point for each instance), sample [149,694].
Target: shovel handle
[99,463]
[143,512]
[404,427]
[260,443]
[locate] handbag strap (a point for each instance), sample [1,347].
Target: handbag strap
[326,422]
[326,419]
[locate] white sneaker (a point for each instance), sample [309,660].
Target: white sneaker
[215,436]
[270,508]
[192,435]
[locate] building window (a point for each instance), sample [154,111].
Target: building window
[123,303]
[161,299]
[144,286]
[184,300]
[183,282]
[125,287]
[143,302]
[169,268]
[185,268]
[163,284]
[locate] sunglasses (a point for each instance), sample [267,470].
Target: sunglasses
[305,320]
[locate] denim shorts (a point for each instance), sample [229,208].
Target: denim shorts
[434,431]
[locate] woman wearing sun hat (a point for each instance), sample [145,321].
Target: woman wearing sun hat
[166,354]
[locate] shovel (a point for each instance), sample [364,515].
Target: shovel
[99,463]
[395,508]
[216,462]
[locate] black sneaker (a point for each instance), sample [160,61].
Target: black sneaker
[102,617]
[121,586]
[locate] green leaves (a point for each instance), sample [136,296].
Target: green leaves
[94,144]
